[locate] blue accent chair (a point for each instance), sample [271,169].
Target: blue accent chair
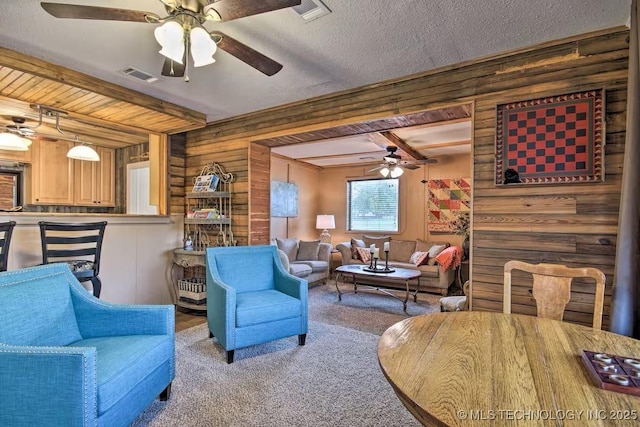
[251,299]
[70,359]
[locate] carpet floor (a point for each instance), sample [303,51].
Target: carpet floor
[334,380]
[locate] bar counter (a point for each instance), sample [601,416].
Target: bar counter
[136,252]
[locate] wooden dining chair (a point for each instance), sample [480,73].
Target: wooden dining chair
[552,288]
[6,230]
[79,245]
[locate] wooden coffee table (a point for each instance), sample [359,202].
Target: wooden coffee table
[357,272]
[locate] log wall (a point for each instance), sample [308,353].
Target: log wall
[571,224]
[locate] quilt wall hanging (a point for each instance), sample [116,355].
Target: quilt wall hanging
[447,198]
[552,140]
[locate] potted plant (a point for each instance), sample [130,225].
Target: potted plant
[461,227]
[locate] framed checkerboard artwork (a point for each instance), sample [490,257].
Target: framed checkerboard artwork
[552,140]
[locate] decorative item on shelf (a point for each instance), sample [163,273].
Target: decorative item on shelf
[188,244]
[325,223]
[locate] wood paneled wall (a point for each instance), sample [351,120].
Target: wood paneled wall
[571,224]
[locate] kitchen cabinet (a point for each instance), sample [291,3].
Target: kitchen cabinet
[51,174]
[95,181]
[55,179]
[15,156]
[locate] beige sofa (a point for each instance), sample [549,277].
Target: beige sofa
[305,259]
[434,278]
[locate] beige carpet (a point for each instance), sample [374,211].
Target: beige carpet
[334,380]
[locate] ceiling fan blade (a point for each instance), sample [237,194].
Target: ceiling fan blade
[234,9]
[172,68]
[76,11]
[246,54]
[376,169]
[409,166]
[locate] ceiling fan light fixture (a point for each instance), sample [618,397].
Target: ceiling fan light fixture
[13,142]
[385,171]
[396,172]
[83,152]
[202,47]
[211,14]
[170,36]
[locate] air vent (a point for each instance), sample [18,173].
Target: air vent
[311,9]
[139,75]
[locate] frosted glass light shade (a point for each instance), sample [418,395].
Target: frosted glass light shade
[83,152]
[170,35]
[384,171]
[396,172]
[202,47]
[11,141]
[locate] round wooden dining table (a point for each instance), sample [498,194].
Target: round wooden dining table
[495,369]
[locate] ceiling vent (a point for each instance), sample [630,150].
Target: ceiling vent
[311,9]
[139,75]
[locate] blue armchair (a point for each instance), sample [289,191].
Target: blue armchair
[251,299]
[70,359]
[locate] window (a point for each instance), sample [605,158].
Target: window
[372,205]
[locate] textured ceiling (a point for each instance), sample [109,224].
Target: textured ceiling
[359,43]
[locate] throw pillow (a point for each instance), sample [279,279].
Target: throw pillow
[434,251]
[375,240]
[289,247]
[364,255]
[419,258]
[355,243]
[308,251]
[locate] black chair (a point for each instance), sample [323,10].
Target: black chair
[6,230]
[66,242]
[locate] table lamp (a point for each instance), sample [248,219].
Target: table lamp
[325,223]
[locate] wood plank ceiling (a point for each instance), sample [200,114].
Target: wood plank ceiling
[99,112]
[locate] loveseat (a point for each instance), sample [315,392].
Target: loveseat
[70,359]
[412,254]
[307,259]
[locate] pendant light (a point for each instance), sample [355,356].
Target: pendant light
[13,142]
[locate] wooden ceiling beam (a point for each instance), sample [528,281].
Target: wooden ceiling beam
[399,142]
[37,67]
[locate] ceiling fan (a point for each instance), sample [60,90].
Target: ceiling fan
[17,136]
[182,30]
[392,164]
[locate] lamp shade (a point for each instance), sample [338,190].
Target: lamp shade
[396,172]
[325,222]
[202,47]
[83,152]
[11,141]
[170,35]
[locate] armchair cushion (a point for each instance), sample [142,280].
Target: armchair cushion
[47,318]
[308,251]
[265,306]
[123,361]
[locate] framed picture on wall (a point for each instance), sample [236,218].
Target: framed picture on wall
[551,140]
[284,199]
